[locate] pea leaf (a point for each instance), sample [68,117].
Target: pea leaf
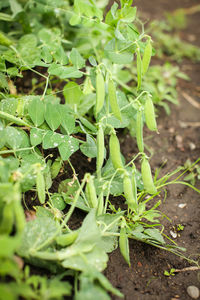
[2,135]
[77,60]
[9,105]
[64,72]
[88,243]
[52,116]
[155,235]
[67,120]
[36,233]
[13,137]
[72,93]
[8,245]
[89,148]
[36,136]
[116,55]
[68,147]
[36,111]
[52,139]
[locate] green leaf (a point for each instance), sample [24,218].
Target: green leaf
[14,137]
[2,135]
[128,14]
[52,139]
[36,111]
[87,243]
[109,243]
[3,81]
[52,115]
[37,233]
[64,72]
[60,56]
[8,245]
[36,136]
[77,60]
[88,8]
[113,52]
[72,93]
[87,101]
[89,148]
[46,55]
[68,147]
[94,256]
[15,7]
[28,50]
[9,105]
[88,290]
[75,19]
[155,235]
[67,120]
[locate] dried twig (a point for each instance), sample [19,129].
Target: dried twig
[193,268]
[191,100]
[189,124]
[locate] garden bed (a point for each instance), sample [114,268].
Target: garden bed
[83,174]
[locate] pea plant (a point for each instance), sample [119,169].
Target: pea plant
[83,90]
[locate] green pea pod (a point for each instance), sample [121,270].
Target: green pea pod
[100,204]
[124,245]
[20,217]
[100,92]
[87,124]
[139,69]
[7,221]
[13,119]
[128,192]
[150,114]
[146,57]
[91,192]
[113,100]
[20,221]
[100,150]
[4,40]
[147,179]
[40,186]
[67,239]
[55,167]
[134,184]
[115,153]
[139,131]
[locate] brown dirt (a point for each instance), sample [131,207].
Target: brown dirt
[145,278]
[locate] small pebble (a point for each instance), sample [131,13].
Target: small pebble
[193,291]
[182,205]
[173,234]
[192,146]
